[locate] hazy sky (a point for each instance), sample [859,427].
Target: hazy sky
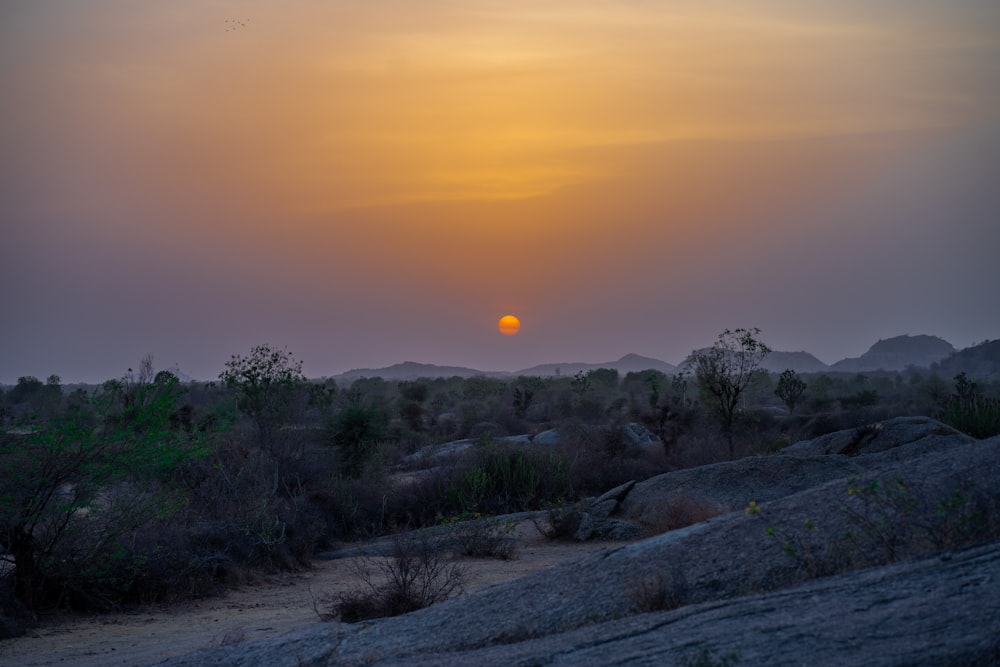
[371,181]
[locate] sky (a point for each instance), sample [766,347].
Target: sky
[366,182]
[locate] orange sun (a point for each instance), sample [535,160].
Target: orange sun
[509,325]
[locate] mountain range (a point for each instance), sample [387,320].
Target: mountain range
[892,354]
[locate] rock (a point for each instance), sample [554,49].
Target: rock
[928,434]
[638,435]
[843,620]
[735,588]
[616,530]
[732,484]
[594,521]
[515,439]
[547,438]
[616,494]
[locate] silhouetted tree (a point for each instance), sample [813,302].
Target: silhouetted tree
[725,370]
[790,388]
[269,384]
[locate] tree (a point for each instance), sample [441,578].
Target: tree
[790,388]
[725,370]
[34,401]
[268,385]
[71,491]
[357,430]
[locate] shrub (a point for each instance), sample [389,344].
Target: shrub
[417,574]
[658,590]
[72,495]
[888,520]
[483,537]
[358,431]
[500,479]
[975,415]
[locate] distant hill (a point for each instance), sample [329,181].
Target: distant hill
[630,363]
[978,361]
[897,354]
[892,354]
[800,362]
[411,370]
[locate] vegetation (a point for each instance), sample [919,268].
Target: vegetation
[75,492]
[889,520]
[268,384]
[971,412]
[146,489]
[415,575]
[790,389]
[725,371]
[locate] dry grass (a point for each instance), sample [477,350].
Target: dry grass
[679,511]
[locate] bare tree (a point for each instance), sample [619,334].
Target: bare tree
[725,370]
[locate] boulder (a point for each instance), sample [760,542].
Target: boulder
[547,438]
[722,587]
[918,434]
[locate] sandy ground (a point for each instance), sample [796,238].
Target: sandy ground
[276,605]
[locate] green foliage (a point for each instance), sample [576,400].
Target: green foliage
[889,520]
[978,416]
[69,492]
[269,384]
[970,412]
[509,479]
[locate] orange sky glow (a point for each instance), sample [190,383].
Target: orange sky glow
[367,182]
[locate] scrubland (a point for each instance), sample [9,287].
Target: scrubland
[146,491]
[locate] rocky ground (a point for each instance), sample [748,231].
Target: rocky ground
[871,546]
[269,607]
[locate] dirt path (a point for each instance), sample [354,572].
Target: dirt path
[279,604]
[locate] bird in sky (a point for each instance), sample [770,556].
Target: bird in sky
[232,25]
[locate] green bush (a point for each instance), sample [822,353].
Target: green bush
[71,495]
[978,416]
[504,479]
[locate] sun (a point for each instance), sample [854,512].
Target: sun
[509,325]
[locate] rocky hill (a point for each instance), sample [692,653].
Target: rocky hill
[854,548]
[978,361]
[892,354]
[412,370]
[630,363]
[897,354]
[800,362]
